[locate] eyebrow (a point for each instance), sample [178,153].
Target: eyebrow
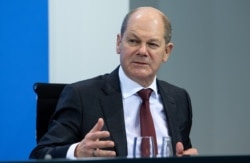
[134,35]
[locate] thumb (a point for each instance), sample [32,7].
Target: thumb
[98,126]
[179,149]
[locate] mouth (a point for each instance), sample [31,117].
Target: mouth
[140,63]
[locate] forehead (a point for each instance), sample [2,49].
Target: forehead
[146,23]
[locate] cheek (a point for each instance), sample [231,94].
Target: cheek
[123,55]
[158,59]
[162,56]
[127,51]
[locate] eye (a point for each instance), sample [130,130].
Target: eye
[153,45]
[133,41]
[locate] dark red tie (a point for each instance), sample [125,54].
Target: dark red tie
[146,122]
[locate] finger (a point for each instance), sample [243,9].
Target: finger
[86,147]
[179,149]
[95,136]
[103,153]
[99,144]
[98,126]
[105,144]
[191,151]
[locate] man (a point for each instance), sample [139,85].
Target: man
[98,117]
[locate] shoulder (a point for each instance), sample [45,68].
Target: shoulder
[169,86]
[107,81]
[88,84]
[170,90]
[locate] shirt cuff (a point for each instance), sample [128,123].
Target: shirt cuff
[71,152]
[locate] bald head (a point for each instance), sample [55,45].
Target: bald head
[151,14]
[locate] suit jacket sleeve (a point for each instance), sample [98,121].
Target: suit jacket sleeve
[66,125]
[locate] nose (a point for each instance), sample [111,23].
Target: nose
[143,49]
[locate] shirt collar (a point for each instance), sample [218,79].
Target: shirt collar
[130,87]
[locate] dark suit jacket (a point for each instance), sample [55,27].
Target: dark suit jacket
[82,103]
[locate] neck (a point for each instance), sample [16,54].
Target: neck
[144,83]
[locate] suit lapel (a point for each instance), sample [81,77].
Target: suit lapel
[113,112]
[169,105]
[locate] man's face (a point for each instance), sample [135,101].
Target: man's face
[142,47]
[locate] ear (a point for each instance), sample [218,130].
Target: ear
[168,49]
[118,43]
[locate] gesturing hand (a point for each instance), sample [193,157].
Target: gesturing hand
[181,152]
[91,145]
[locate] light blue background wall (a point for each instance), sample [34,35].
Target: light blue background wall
[23,60]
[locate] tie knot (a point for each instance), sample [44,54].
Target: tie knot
[145,94]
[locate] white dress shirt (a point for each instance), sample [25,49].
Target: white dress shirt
[131,105]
